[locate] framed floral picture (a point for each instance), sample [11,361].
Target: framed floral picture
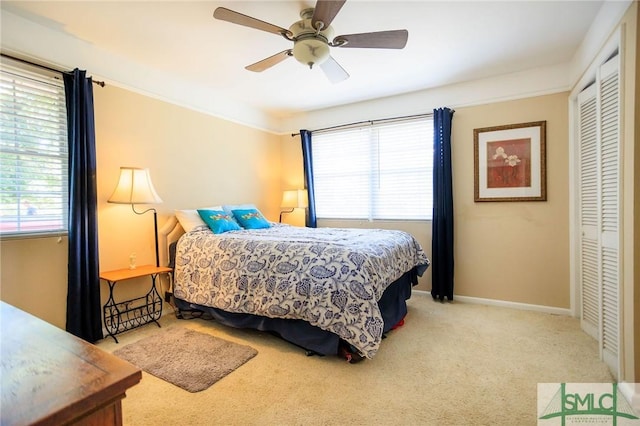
[510,162]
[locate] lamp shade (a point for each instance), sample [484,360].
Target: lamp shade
[134,187]
[293,199]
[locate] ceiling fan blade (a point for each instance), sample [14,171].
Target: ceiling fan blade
[394,39]
[325,11]
[270,61]
[228,15]
[334,72]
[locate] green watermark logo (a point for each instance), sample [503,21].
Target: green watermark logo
[584,403]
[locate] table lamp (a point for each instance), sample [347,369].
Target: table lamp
[135,187]
[293,199]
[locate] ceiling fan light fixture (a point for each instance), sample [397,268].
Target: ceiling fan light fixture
[311,51]
[311,37]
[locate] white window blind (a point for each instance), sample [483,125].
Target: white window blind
[382,171]
[33,153]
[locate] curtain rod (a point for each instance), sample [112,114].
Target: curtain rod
[24,61]
[369,122]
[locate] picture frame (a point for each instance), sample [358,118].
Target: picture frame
[510,162]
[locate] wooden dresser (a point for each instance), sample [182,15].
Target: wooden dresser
[50,377]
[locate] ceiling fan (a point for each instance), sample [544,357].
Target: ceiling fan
[312,38]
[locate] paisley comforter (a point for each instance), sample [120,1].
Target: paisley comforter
[331,278]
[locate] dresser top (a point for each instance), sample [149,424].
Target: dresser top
[50,376]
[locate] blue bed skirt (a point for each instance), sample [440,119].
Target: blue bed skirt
[392,305]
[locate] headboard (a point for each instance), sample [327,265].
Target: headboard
[170,232]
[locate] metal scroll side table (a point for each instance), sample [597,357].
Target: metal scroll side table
[129,314]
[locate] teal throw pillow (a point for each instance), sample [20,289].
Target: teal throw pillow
[218,221]
[251,219]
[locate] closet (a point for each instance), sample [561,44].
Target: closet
[599,206]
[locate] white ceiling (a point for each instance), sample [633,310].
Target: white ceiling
[449,42]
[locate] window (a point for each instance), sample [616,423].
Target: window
[382,171]
[33,153]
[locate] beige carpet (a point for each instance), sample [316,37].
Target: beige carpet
[186,358]
[450,364]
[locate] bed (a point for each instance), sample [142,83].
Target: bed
[318,288]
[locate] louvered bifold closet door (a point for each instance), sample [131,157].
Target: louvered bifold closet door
[609,92]
[589,265]
[599,214]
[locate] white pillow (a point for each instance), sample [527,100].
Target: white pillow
[229,207]
[190,219]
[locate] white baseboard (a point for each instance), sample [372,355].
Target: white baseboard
[506,304]
[631,392]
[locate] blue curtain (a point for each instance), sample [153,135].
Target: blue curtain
[83,293]
[442,239]
[310,218]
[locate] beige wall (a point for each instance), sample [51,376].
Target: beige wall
[33,276]
[195,160]
[515,251]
